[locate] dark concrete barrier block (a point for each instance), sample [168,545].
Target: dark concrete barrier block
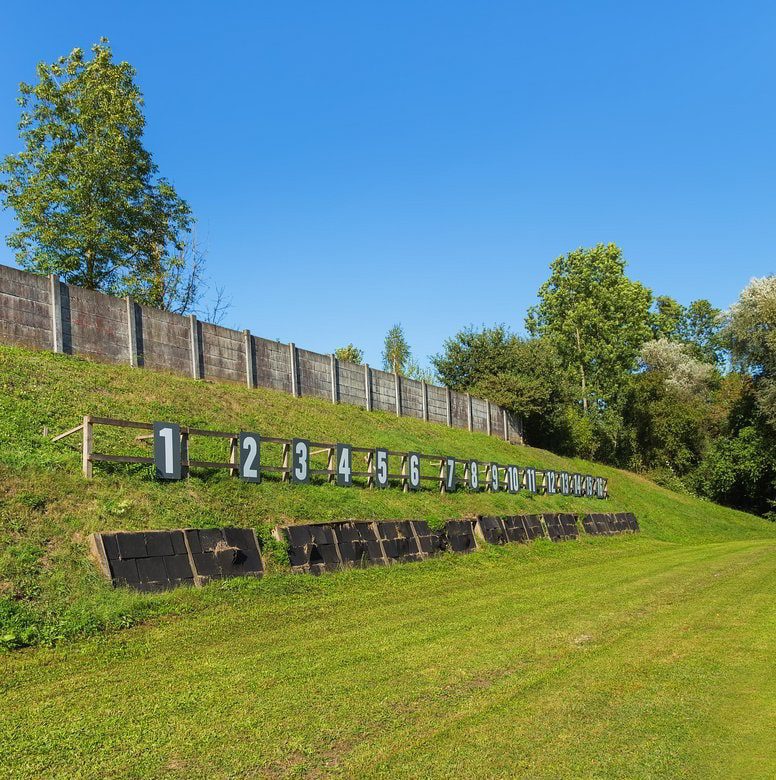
[492,529]
[589,524]
[554,529]
[533,527]
[568,523]
[158,544]
[633,523]
[515,529]
[460,535]
[220,553]
[131,545]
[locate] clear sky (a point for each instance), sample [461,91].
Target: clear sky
[352,165]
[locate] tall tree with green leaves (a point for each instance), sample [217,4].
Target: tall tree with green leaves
[350,353]
[396,351]
[596,317]
[88,199]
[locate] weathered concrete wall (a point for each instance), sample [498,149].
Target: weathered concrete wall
[44,313]
[94,325]
[314,373]
[25,309]
[411,398]
[223,352]
[351,383]
[383,391]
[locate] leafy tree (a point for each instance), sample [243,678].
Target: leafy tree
[88,199]
[680,369]
[750,334]
[700,327]
[396,351]
[595,316]
[667,318]
[350,353]
[523,376]
[472,355]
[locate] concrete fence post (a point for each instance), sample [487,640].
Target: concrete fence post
[397,386]
[488,423]
[55,296]
[368,387]
[506,424]
[424,398]
[449,408]
[334,379]
[131,332]
[294,370]
[196,367]
[250,368]
[469,412]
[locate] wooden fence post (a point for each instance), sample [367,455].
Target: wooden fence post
[131,332]
[55,296]
[250,369]
[294,372]
[334,379]
[234,458]
[86,454]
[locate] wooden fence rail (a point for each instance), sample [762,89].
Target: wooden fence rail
[488,476]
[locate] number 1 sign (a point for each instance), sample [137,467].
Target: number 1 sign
[167,450]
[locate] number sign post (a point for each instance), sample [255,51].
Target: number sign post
[167,450]
[250,460]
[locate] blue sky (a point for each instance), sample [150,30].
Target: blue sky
[352,165]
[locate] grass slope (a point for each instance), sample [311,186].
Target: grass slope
[641,656]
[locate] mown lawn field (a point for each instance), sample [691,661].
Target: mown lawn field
[641,656]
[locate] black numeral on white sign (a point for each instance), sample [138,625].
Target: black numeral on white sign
[381,468]
[344,457]
[250,457]
[167,450]
[300,461]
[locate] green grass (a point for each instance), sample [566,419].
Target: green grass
[641,656]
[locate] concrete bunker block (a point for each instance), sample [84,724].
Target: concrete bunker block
[633,522]
[514,527]
[492,529]
[158,543]
[110,545]
[460,535]
[131,545]
[124,572]
[178,567]
[151,569]
[533,526]
[589,524]
[218,553]
[568,523]
[554,528]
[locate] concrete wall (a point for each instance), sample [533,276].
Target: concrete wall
[45,313]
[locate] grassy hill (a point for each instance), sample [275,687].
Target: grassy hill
[640,656]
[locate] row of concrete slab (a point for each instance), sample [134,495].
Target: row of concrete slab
[159,560]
